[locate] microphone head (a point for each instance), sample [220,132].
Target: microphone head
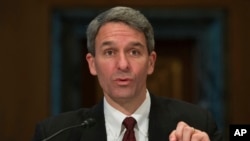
[88,122]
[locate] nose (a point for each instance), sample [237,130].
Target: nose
[123,62]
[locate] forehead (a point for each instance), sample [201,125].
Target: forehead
[117,34]
[113,29]
[120,23]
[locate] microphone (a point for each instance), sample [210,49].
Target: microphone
[85,124]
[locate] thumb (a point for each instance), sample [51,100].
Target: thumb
[172,136]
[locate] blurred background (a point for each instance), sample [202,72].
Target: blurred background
[203,58]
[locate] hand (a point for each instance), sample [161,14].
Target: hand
[184,132]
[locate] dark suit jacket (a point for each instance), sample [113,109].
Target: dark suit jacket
[163,118]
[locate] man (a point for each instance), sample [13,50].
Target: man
[121,54]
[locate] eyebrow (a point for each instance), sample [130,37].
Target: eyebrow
[136,44]
[107,43]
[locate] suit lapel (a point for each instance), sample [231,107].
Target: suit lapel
[161,122]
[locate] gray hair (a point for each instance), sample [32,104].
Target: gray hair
[127,15]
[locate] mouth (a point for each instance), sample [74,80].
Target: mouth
[123,81]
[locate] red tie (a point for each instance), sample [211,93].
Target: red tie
[129,123]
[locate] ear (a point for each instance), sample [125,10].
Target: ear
[151,62]
[91,62]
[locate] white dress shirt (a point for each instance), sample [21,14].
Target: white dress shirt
[114,118]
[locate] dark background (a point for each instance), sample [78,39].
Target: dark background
[25,58]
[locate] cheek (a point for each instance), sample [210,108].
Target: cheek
[142,71]
[146,67]
[104,75]
[103,70]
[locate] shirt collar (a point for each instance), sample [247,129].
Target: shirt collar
[142,115]
[114,118]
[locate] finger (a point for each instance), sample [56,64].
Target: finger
[172,136]
[187,133]
[200,136]
[179,129]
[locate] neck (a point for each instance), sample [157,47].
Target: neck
[127,106]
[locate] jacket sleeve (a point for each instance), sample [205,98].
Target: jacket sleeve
[214,133]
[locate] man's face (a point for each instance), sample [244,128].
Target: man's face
[121,61]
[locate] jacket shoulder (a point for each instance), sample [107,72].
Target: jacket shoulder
[178,110]
[176,105]
[63,120]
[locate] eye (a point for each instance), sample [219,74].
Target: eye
[134,52]
[109,52]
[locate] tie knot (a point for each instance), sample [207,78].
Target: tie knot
[129,123]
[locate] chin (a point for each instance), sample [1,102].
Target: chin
[123,94]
